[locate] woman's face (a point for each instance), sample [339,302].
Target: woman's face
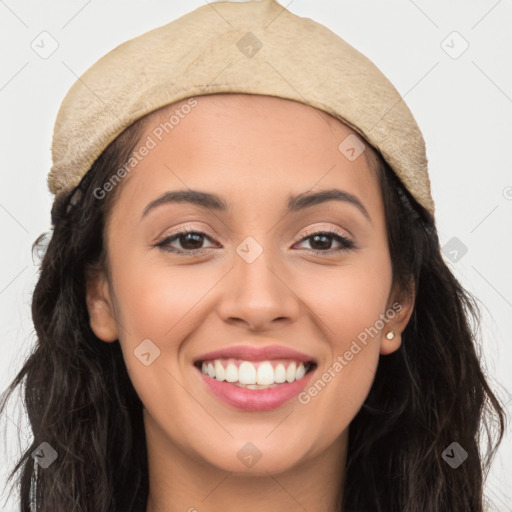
[259,278]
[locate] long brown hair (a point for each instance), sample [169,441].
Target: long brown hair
[428,394]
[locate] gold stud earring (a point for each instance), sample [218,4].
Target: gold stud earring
[390,335]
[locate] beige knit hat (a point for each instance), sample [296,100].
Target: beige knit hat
[255,47]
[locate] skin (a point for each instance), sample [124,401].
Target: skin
[253,151]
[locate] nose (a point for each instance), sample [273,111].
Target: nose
[258,294]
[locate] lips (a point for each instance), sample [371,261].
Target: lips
[255,379]
[248,353]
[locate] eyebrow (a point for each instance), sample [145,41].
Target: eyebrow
[295,203]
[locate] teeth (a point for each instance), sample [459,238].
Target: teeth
[231,373]
[220,373]
[280,373]
[247,373]
[291,371]
[301,371]
[261,375]
[265,374]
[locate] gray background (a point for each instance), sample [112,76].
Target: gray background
[461,99]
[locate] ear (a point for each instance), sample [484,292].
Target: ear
[99,305]
[401,302]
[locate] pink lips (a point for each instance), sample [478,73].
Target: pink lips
[256,354]
[255,399]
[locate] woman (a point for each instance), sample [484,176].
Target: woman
[243,303]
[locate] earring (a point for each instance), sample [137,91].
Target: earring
[390,335]
[33,488]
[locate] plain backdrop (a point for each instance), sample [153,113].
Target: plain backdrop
[450,60]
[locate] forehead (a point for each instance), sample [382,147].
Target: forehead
[251,149]
[246,110]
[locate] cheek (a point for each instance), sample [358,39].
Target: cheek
[349,302]
[161,304]
[347,298]
[156,300]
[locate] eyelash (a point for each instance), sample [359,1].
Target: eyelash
[347,244]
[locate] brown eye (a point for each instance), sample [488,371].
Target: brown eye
[190,242]
[322,241]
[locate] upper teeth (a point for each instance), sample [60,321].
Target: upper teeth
[262,373]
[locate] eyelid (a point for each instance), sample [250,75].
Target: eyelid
[188,228]
[184,231]
[319,229]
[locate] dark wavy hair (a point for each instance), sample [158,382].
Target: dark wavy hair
[426,395]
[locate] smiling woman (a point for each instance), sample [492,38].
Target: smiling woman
[257,315]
